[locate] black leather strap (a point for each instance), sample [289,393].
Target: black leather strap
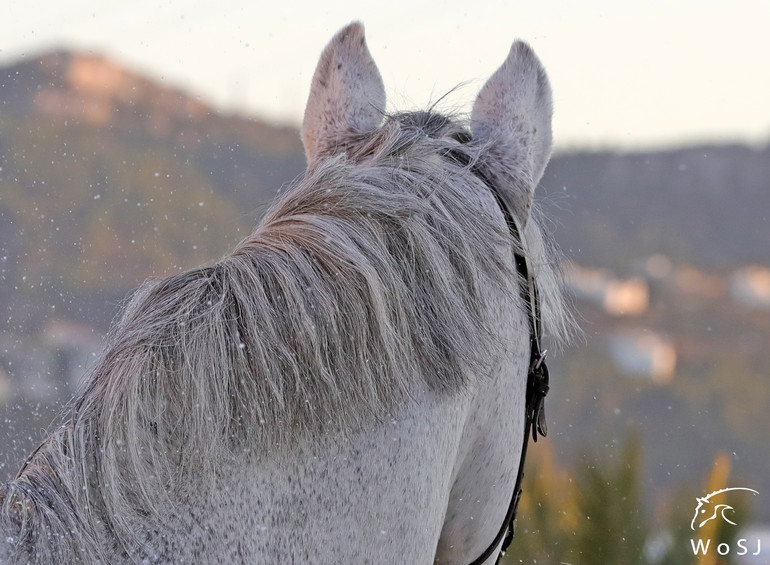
[537,376]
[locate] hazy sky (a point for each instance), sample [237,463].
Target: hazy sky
[623,73]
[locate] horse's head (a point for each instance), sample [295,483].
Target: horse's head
[511,117]
[707,510]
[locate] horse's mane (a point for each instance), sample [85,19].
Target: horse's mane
[371,278]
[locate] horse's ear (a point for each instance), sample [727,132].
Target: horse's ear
[346,96]
[512,113]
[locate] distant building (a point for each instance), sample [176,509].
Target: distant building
[616,296]
[751,286]
[644,354]
[5,386]
[72,347]
[657,266]
[47,367]
[690,280]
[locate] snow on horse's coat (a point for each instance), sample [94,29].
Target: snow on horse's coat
[345,385]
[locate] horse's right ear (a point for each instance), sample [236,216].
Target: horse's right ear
[512,114]
[347,96]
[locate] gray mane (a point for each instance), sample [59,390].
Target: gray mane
[367,281]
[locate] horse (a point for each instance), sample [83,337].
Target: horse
[344,386]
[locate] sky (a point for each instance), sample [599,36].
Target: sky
[624,74]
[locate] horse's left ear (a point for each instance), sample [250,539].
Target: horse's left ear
[347,96]
[512,113]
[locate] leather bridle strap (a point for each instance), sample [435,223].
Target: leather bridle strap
[537,376]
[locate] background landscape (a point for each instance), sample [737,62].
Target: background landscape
[108,177]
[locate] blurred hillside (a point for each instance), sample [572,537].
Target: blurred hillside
[708,206]
[108,177]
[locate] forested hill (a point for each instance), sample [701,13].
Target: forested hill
[108,177]
[708,206]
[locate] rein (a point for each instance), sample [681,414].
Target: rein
[537,376]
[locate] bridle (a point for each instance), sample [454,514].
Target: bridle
[537,376]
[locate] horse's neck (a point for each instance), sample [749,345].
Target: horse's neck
[442,473]
[376,496]
[490,449]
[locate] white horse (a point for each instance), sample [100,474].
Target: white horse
[347,386]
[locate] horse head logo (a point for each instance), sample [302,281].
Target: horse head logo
[707,510]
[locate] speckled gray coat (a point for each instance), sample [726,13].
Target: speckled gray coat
[345,387]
